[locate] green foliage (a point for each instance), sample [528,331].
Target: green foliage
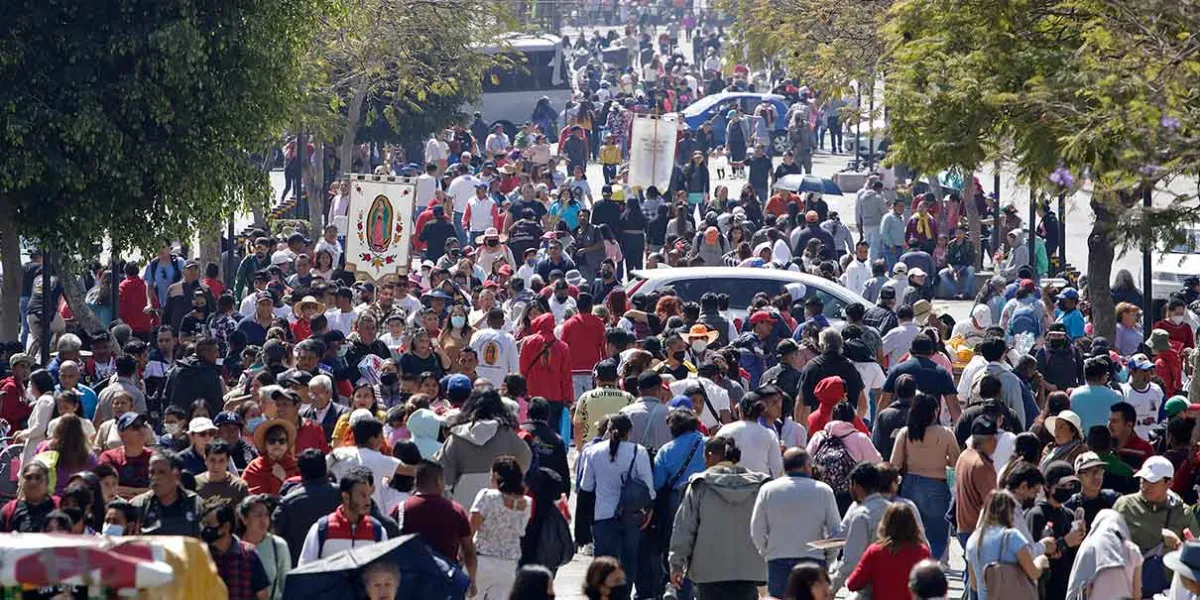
[126,113]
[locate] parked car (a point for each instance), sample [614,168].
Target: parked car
[1174,265]
[742,283]
[714,107]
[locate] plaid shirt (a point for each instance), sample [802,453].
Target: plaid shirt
[242,570]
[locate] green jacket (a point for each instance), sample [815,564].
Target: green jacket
[245,273]
[1040,258]
[1146,521]
[960,254]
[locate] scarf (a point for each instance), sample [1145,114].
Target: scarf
[1103,548]
[1059,452]
[924,226]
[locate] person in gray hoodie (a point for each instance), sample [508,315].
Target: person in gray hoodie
[711,540]
[486,430]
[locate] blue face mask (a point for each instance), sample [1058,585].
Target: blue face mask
[113,529]
[254,422]
[1123,376]
[343,350]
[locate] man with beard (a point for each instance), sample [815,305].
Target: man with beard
[250,265]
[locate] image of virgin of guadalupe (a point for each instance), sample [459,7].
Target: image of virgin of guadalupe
[379,220]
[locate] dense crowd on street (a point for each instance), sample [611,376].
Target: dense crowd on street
[514,400]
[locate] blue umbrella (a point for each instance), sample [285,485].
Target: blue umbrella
[424,574]
[808,183]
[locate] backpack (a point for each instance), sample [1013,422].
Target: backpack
[635,495]
[323,532]
[834,457]
[1025,319]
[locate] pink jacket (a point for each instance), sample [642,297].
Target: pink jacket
[858,443]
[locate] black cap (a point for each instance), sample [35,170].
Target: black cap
[606,370]
[294,377]
[984,425]
[649,380]
[887,293]
[333,335]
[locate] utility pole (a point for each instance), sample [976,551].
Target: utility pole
[996,241]
[1062,233]
[1032,233]
[1147,265]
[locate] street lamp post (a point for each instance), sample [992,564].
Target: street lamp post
[996,213]
[1062,232]
[1147,266]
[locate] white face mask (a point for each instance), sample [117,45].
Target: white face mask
[113,529]
[171,428]
[1177,319]
[699,345]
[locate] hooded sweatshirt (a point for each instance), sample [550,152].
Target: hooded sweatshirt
[467,456]
[546,363]
[424,425]
[820,417]
[857,443]
[711,539]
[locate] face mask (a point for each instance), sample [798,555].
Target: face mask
[388,379]
[210,534]
[113,529]
[1027,504]
[458,321]
[699,345]
[1058,343]
[493,243]
[1177,319]
[1061,495]
[608,274]
[343,350]
[254,422]
[171,428]
[531,262]
[679,355]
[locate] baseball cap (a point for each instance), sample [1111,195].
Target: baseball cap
[761,317]
[984,425]
[1139,362]
[458,385]
[649,380]
[129,420]
[21,358]
[264,295]
[606,370]
[227,417]
[1069,293]
[1156,469]
[1088,460]
[1178,404]
[200,425]
[887,293]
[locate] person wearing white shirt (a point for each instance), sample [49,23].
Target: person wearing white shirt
[341,317]
[368,436]
[497,144]
[427,185]
[759,445]
[461,191]
[898,341]
[480,213]
[858,272]
[559,305]
[1143,394]
[605,467]
[496,348]
[437,151]
[329,243]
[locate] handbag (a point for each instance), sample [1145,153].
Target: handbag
[1007,580]
[635,495]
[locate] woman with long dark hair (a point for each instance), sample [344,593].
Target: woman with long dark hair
[486,430]
[67,452]
[633,233]
[923,450]
[605,469]
[498,519]
[808,581]
[603,579]
[533,582]
[885,566]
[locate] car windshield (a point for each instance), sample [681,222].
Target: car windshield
[1190,245]
[741,291]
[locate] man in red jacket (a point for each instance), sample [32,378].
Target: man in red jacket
[132,309]
[546,365]
[584,335]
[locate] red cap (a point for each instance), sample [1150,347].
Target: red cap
[761,316]
[505,270]
[1027,284]
[830,390]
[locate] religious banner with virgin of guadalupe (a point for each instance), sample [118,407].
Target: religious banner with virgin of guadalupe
[380,233]
[652,141]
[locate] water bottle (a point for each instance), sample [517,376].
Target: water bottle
[671,592]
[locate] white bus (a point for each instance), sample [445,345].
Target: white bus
[540,69]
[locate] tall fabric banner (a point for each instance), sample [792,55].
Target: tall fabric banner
[652,141]
[380,235]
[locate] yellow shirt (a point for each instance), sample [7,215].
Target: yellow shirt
[610,155]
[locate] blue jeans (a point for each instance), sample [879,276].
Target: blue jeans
[949,290]
[892,256]
[779,569]
[459,232]
[932,497]
[24,325]
[611,537]
[966,577]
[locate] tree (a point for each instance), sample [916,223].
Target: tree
[132,121]
[1101,88]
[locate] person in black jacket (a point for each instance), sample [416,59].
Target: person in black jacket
[546,444]
[197,377]
[302,506]
[830,363]
[882,316]
[785,375]
[710,316]
[895,417]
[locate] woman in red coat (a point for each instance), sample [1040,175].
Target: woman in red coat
[885,566]
[546,365]
[275,463]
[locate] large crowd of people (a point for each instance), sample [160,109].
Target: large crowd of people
[292,412]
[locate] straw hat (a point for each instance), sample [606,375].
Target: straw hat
[260,433]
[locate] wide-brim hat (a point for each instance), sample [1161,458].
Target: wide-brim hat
[700,331]
[1070,417]
[491,233]
[260,433]
[1185,561]
[310,301]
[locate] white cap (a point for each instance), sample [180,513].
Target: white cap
[916,272]
[200,425]
[1156,469]
[899,268]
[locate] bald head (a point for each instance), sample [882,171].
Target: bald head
[796,460]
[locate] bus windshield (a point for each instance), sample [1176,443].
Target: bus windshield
[538,64]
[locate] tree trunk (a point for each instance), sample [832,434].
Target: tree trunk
[210,246]
[354,116]
[316,200]
[1099,272]
[10,259]
[974,223]
[68,269]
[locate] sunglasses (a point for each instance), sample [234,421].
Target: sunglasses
[208,433]
[277,442]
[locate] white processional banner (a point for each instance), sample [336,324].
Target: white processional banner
[380,236]
[652,150]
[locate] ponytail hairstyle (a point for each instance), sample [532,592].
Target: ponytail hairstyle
[723,448]
[619,427]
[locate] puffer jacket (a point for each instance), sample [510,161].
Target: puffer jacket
[711,541]
[546,362]
[467,456]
